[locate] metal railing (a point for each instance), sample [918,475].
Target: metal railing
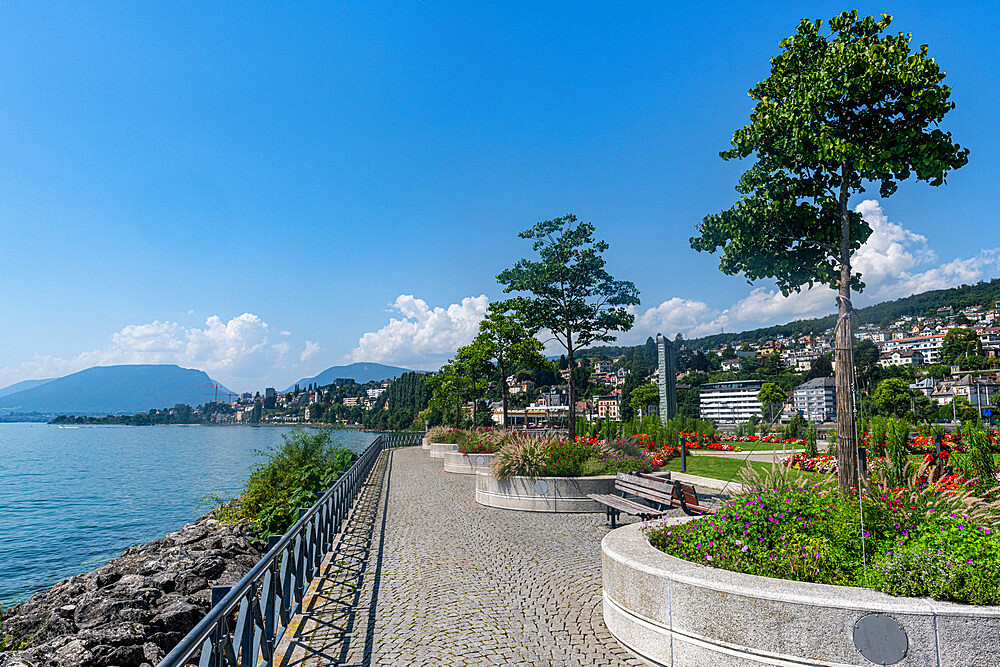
[265,600]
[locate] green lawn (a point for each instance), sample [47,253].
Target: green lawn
[726,469]
[716,467]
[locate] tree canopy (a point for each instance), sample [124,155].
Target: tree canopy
[568,292]
[507,342]
[844,107]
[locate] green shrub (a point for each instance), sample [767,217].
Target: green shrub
[812,446]
[293,475]
[877,437]
[831,442]
[980,456]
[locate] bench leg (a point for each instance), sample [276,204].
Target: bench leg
[613,515]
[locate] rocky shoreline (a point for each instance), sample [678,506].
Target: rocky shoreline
[132,611]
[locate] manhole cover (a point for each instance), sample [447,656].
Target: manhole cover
[480,460]
[541,487]
[880,639]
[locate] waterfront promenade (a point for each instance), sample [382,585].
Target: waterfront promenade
[428,577]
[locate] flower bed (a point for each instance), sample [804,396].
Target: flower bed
[912,544]
[444,434]
[824,463]
[670,611]
[551,456]
[485,441]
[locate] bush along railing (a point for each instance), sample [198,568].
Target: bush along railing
[266,599]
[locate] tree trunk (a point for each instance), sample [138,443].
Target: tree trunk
[847,435]
[572,385]
[475,401]
[503,393]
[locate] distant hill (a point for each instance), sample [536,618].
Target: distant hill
[105,390]
[21,386]
[881,314]
[361,372]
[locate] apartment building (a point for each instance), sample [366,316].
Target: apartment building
[730,402]
[816,400]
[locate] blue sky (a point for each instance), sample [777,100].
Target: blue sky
[262,191]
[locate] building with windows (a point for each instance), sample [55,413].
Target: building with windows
[730,402]
[928,346]
[608,408]
[816,400]
[901,358]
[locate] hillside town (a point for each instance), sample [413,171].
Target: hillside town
[948,362]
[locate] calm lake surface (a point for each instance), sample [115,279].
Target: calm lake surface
[72,498]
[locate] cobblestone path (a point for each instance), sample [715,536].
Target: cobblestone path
[429,577]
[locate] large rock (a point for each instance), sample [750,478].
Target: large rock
[133,610]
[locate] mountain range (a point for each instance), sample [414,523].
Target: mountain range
[360,372]
[105,390]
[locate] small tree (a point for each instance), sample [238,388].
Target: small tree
[506,340]
[840,110]
[644,396]
[472,366]
[820,368]
[770,395]
[892,397]
[568,292]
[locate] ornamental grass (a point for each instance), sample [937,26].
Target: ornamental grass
[554,456]
[446,435]
[485,441]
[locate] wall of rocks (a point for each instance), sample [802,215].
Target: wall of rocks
[132,611]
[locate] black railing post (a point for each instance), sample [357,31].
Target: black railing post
[218,657]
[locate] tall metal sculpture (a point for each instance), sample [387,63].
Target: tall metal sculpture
[668,378]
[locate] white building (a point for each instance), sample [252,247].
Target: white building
[901,358]
[730,402]
[376,392]
[816,400]
[928,346]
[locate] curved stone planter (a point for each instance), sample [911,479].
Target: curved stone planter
[466,464]
[439,449]
[542,494]
[669,611]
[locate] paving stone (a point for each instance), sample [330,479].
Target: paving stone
[426,576]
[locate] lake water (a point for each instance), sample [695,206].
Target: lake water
[72,498]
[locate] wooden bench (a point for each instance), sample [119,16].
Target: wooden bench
[664,494]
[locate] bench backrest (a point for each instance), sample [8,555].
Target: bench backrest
[688,492]
[658,489]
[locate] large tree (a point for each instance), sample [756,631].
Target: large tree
[568,292]
[508,342]
[845,107]
[959,343]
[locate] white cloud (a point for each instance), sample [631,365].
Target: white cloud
[423,337]
[676,314]
[310,349]
[895,262]
[237,352]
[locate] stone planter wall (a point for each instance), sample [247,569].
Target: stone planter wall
[466,464]
[542,494]
[439,449]
[673,612]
